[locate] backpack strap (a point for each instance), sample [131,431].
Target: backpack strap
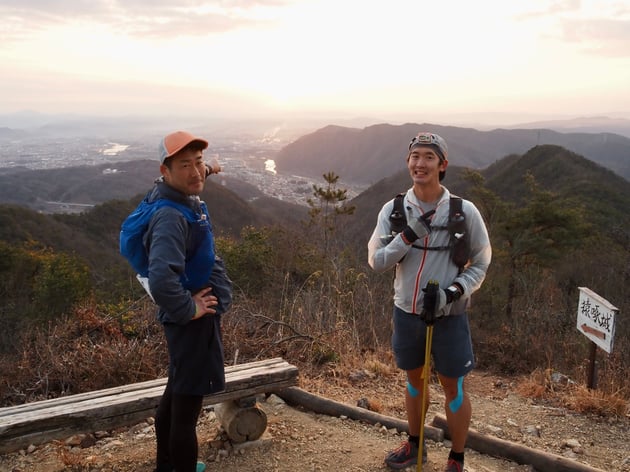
[398,217]
[455,208]
[188,213]
[459,239]
[198,263]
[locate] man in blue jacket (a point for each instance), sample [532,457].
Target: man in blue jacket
[190,302]
[422,252]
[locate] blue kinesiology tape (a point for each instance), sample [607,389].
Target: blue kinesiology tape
[412,390]
[456,403]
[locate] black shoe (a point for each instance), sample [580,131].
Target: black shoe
[454,466]
[201,467]
[405,455]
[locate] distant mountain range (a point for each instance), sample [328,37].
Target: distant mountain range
[364,156]
[588,124]
[375,157]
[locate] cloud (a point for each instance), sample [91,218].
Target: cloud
[55,9]
[147,7]
[555,8]
[143,18]
[595,27]
[607,37]
[184,24]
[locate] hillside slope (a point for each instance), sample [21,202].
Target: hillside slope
[602,192]
[365,156]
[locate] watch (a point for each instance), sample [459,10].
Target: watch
[453,293]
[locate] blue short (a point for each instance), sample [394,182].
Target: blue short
[451,348]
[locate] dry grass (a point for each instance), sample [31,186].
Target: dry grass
[534,386]
[585,400]
[558,389]
[325,329]
[86,351]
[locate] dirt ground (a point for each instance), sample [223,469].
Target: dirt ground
[299,440]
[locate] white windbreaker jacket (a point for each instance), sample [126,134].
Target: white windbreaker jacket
[416,266]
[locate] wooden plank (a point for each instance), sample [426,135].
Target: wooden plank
[230,371]
[235,383]
[126,407]
[519,453]
[120,406]
[297,396]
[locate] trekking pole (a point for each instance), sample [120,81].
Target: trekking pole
[425,389]
[430,294]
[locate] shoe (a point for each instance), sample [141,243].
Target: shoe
[405,455]
[454,466]
[201,467]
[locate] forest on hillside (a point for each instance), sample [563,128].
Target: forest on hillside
[76,320]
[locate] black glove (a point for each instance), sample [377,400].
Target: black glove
[418,227]
[435,299]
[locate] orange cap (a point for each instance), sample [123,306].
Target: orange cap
[173,143]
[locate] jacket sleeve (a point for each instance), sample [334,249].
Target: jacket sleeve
[383,251]
[474,274]
[166,245]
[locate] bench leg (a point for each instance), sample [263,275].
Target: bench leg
[241,424]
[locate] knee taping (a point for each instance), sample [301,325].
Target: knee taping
[413,392]
[456,403]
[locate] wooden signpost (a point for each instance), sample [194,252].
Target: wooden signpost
[596,320]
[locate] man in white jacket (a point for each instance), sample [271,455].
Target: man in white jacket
[421,252]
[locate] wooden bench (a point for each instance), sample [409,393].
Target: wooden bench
[43,421]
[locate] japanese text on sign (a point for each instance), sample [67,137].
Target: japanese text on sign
[596,319]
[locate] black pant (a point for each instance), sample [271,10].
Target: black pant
[175,431]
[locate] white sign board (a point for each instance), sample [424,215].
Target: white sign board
[596,319]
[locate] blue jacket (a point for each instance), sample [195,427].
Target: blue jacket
[195,346]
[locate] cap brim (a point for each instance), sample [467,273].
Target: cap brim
[175,142]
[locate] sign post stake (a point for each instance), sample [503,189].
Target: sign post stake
[592,371]
[596,320]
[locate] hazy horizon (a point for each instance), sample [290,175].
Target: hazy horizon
[28,119]
[491,62]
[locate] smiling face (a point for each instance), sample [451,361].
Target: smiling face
[185,171]
[425,165]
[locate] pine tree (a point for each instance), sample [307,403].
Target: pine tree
[327,204]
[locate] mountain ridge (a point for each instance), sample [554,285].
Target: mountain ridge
[582,124]
[364,156]
[602,192]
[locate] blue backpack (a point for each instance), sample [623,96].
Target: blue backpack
[199,264]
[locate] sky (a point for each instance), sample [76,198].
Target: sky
[392,59]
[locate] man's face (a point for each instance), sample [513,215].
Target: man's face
[424,165]
[187,172]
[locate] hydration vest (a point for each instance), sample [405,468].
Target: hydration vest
[199,262]
[459,244]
